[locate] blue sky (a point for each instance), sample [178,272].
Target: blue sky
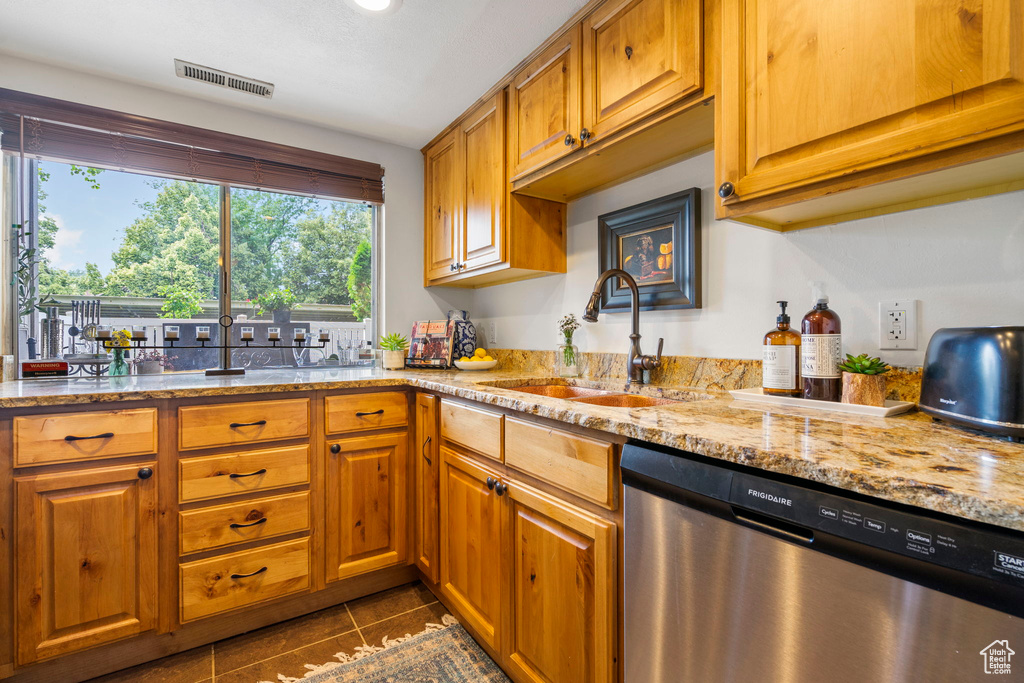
[91,221]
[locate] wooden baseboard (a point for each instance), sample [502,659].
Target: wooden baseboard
[99,661]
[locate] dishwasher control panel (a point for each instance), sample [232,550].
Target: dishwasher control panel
[992,554]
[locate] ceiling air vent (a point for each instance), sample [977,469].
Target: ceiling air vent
[205,74]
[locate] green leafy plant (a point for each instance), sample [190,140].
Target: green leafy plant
[276,300]
[864,365]
[359,281]
[180,302]
[28,294]
[394,342]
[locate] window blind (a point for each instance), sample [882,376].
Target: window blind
[67,131]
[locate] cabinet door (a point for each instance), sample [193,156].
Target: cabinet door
[639,56]
[444,179]
[563,604]
[813,91]
[544,107]
[483,217]
[426,469]
[366,494]
[87,558]
[471,544]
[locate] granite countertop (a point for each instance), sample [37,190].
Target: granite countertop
[906,459]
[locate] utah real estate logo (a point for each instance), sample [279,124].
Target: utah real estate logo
[997,657]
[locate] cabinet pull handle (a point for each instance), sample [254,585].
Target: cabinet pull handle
[248,474]
[500,488]
[106,435]
[236,525]
[245,576]
[424,451]
[570,140]
[257,423]
[726,190]
[629,52]
[585,135]
[335,448]
[145,473]
[491,481]
[376,412]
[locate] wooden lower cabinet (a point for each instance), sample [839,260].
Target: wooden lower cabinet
[366,504]
[563,591]
[86,543]
[426,468]
[471,544]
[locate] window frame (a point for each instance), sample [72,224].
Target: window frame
[15,200]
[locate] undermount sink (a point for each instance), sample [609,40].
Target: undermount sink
[626,401]
[560,391]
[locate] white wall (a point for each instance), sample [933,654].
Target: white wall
[405,298]
[964,261]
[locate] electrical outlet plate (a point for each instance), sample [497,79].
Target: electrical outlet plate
[492,333]
[897,324]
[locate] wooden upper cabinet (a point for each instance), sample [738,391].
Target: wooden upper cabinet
[564,583]
[86,570]
[366,498]
[544,106]
[482,135]
[813,92]
[443,195]
[638,56]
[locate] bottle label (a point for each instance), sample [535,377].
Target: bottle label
[820,356]
[778,367]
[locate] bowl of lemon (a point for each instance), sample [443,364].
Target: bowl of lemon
[480,360]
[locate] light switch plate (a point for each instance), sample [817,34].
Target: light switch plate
[492,333]
[897,324]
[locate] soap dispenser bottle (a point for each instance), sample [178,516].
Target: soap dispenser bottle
[821,347]
[780,362]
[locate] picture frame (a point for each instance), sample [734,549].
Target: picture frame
[658,243]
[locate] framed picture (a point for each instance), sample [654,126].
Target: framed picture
[658,243]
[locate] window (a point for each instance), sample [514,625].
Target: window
[128,250]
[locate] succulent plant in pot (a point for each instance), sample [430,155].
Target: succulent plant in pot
[394,346]
[864,380]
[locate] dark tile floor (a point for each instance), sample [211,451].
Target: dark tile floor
[287,647]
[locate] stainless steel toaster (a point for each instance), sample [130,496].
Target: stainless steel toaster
[974,377]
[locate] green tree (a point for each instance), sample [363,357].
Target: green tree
[360,279]
[180,302]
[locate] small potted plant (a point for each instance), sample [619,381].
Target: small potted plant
[279,302]
[864,380]
[151,362]
[567,356]
[394,346]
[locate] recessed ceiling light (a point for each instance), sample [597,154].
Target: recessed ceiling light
[375,6]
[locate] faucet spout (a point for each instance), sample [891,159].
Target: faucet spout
[637,362]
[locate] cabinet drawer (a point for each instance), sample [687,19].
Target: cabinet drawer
[223,475]
[44,439]
[361,412]
[477,430]
[226,525]
[231,424]
[574,463]
[227,582]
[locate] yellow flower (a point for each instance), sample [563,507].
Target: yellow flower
[121,339]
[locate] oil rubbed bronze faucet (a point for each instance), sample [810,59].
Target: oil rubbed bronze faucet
[637,361]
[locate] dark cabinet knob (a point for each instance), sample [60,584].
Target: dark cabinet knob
[500,488]
[145,473]
[726,190]
[335,448]
[570,140]
[629,52]
[491,481]
[585,135]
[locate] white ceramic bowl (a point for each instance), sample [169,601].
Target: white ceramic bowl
[475,364]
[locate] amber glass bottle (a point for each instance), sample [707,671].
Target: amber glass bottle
[780,362]
[821,346]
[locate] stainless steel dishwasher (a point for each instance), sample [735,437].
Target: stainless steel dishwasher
[732,574]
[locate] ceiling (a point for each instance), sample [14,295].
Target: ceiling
[400,77]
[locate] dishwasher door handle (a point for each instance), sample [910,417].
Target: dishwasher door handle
[789,530]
